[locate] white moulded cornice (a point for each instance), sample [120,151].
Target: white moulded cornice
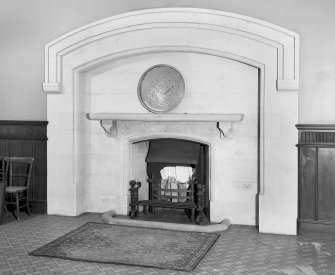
[52,87]
[288,84]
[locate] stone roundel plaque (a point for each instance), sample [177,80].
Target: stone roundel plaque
[161,88]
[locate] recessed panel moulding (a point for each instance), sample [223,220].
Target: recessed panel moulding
[197,41]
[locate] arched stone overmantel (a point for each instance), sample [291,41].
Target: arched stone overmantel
[237,26]
[69,59]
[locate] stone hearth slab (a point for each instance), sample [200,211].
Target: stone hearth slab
[110,217]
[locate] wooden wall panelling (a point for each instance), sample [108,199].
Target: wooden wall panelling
[316,155]
[307,173]
[326,184]
[28,138]
[40,188]
[2,147]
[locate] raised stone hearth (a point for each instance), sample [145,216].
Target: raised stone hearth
[241,76]
[112,218]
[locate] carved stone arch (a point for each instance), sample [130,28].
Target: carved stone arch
[256,31]
[144,137]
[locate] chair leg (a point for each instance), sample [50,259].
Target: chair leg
[27,202]
[17,207]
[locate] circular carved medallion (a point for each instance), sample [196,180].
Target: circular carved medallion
[161,88]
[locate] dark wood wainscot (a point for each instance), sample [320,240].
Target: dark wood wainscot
[316,178]
[28,139]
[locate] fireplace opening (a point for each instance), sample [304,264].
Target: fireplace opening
[177,174]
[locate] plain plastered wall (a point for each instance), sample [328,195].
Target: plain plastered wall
[26,26]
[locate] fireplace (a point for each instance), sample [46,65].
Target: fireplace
[241,77]
[176,164]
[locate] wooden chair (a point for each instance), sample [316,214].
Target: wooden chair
[20,170]
[4,166]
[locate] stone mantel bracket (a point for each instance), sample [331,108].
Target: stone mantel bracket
[109,126]
[108,121]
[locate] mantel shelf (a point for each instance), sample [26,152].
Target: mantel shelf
[165,117]
[108,121]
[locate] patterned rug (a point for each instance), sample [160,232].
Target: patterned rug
[106,243]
